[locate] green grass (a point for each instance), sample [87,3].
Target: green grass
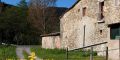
[57,54]
[48,53]
[7,52]
[25,55]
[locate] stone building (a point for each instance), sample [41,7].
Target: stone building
[51,38]
[90,22]
[51,41]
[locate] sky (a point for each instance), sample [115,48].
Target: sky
[65,3]
[59,3]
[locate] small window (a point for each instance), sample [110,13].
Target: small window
[101,6]
[115,31]
[101,32]
[84,11]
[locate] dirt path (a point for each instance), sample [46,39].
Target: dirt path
[27,49]
[19,52]
[20,49]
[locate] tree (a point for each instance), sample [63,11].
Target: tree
[40,12]
[15,28]
[13,23]
[23,4]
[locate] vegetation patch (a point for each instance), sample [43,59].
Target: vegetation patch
[25,55]
[7,52]
[59,54]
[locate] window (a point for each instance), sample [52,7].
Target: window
[78,10]
[84,11]
[101,32]
[101,5]
[115,31]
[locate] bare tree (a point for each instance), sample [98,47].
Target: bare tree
[39,12]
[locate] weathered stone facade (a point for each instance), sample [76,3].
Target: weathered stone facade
[82,26]
[51,42]
[74,24]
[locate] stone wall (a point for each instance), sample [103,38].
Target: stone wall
[73,22]
[51,42]
[112,12]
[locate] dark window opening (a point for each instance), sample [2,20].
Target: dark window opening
[78,10]
[101,32]
[84,11]
[101,6]
[115,31]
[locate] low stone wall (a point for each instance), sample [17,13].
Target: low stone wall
[51,42]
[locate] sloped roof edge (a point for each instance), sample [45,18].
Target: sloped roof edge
[70,7]
[51,34]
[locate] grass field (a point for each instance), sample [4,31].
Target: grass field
[7,52]
[57,54]
[26,55]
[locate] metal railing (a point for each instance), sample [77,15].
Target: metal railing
[90,51]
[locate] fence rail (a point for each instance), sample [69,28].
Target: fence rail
[89,46]
[91,52]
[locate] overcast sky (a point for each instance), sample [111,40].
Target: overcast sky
[60,3]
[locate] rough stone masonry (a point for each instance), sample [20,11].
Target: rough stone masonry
[95,18]
[86,23]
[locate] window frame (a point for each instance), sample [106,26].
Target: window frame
[114,31]
[84,10]
[101,10]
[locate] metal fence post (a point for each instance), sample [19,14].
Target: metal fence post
[91,53]
[106,53]
[67,53]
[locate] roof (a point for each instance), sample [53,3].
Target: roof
[51,34]
[114,24]
[71,7]
[58,33]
